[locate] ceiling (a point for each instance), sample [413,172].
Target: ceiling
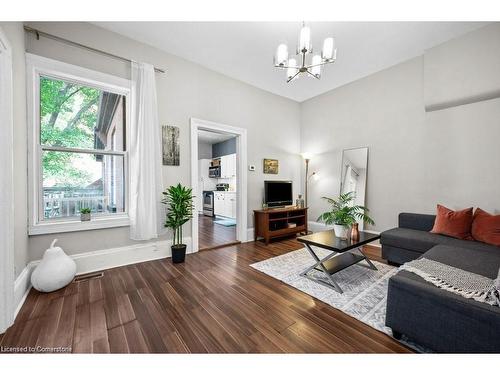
[245,50]
[213,137]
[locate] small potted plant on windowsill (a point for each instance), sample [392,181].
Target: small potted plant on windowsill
[344,214]
[85,214]
[179,201]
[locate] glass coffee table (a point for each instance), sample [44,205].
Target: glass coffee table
[341,255]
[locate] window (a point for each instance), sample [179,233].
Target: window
[79,127]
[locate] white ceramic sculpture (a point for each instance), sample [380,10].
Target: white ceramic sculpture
[55,271]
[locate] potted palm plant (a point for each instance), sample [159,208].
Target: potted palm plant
[344,213]
[179,201]
[85,214]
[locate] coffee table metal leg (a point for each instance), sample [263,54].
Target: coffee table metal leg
[372,266]
[319,262]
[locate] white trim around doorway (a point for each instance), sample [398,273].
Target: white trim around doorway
[7,187]
[241,175]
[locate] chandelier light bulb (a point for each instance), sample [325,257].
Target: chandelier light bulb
[316,67]
[281,57]
[328,49]
[305,40]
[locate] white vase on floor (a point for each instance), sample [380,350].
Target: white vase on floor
[55,271]
[341,231]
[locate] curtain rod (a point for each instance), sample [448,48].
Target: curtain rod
[39,33]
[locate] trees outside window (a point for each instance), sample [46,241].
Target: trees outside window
[81,128]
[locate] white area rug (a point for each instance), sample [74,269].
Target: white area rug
[365,290]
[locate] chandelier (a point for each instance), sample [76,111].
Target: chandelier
[302,63]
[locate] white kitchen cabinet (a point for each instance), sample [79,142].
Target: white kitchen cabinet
[224,166]
[228,166]
[219,206]
[225,204]
[230,205]
[232,165]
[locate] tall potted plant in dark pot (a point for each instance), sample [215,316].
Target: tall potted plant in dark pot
[179,201]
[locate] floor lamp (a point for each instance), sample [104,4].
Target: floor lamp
[307,157]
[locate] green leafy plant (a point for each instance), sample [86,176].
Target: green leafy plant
[68,116]
[344,212]
[179,201]
[85,210]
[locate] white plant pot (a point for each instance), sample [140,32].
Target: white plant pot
[55,271]
[341,231]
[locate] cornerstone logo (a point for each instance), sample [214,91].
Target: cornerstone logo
[35,349]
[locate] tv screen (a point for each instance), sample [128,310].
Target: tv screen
[278,193]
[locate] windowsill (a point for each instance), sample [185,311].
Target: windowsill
[76,225]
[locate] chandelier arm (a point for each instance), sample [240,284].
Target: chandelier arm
[308,72]
[291,78]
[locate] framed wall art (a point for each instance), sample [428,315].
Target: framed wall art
[271,166]
[170,145]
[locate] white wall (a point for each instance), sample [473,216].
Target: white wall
[463,70]
[15,34]
[416,158]
[186,90]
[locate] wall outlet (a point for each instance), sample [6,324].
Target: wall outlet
[251,167]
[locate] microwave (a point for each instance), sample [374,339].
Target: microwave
[214,172]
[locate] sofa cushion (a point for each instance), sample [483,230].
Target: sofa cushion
[486,227]
[453,223]
[481,261]
[419,241]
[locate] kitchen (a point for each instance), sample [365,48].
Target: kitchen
[217,180]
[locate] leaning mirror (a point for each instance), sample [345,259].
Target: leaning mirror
[353,175]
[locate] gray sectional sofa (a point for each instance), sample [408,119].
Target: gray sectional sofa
[434,318]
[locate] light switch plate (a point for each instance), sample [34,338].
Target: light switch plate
[251,167]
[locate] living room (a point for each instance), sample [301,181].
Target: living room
[364,164]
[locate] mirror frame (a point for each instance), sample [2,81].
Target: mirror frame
[361,226]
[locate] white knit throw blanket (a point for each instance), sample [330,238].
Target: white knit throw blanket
[455,280]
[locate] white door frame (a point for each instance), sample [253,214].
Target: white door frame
[241,175]
[6,187]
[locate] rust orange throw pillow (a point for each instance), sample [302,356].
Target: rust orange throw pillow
[453,223]
[486,227]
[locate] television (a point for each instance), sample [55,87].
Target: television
[278,193]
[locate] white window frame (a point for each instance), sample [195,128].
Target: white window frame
[37,66]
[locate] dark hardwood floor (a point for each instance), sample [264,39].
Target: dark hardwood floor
[213,303]
[211,235]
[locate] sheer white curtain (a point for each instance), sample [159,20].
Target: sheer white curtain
[145,156]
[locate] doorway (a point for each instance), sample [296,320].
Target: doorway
[218,179]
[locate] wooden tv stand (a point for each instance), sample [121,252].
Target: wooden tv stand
[274,222]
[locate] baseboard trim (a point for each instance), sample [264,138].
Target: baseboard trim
[99,260]
[249,235]
[22,286]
